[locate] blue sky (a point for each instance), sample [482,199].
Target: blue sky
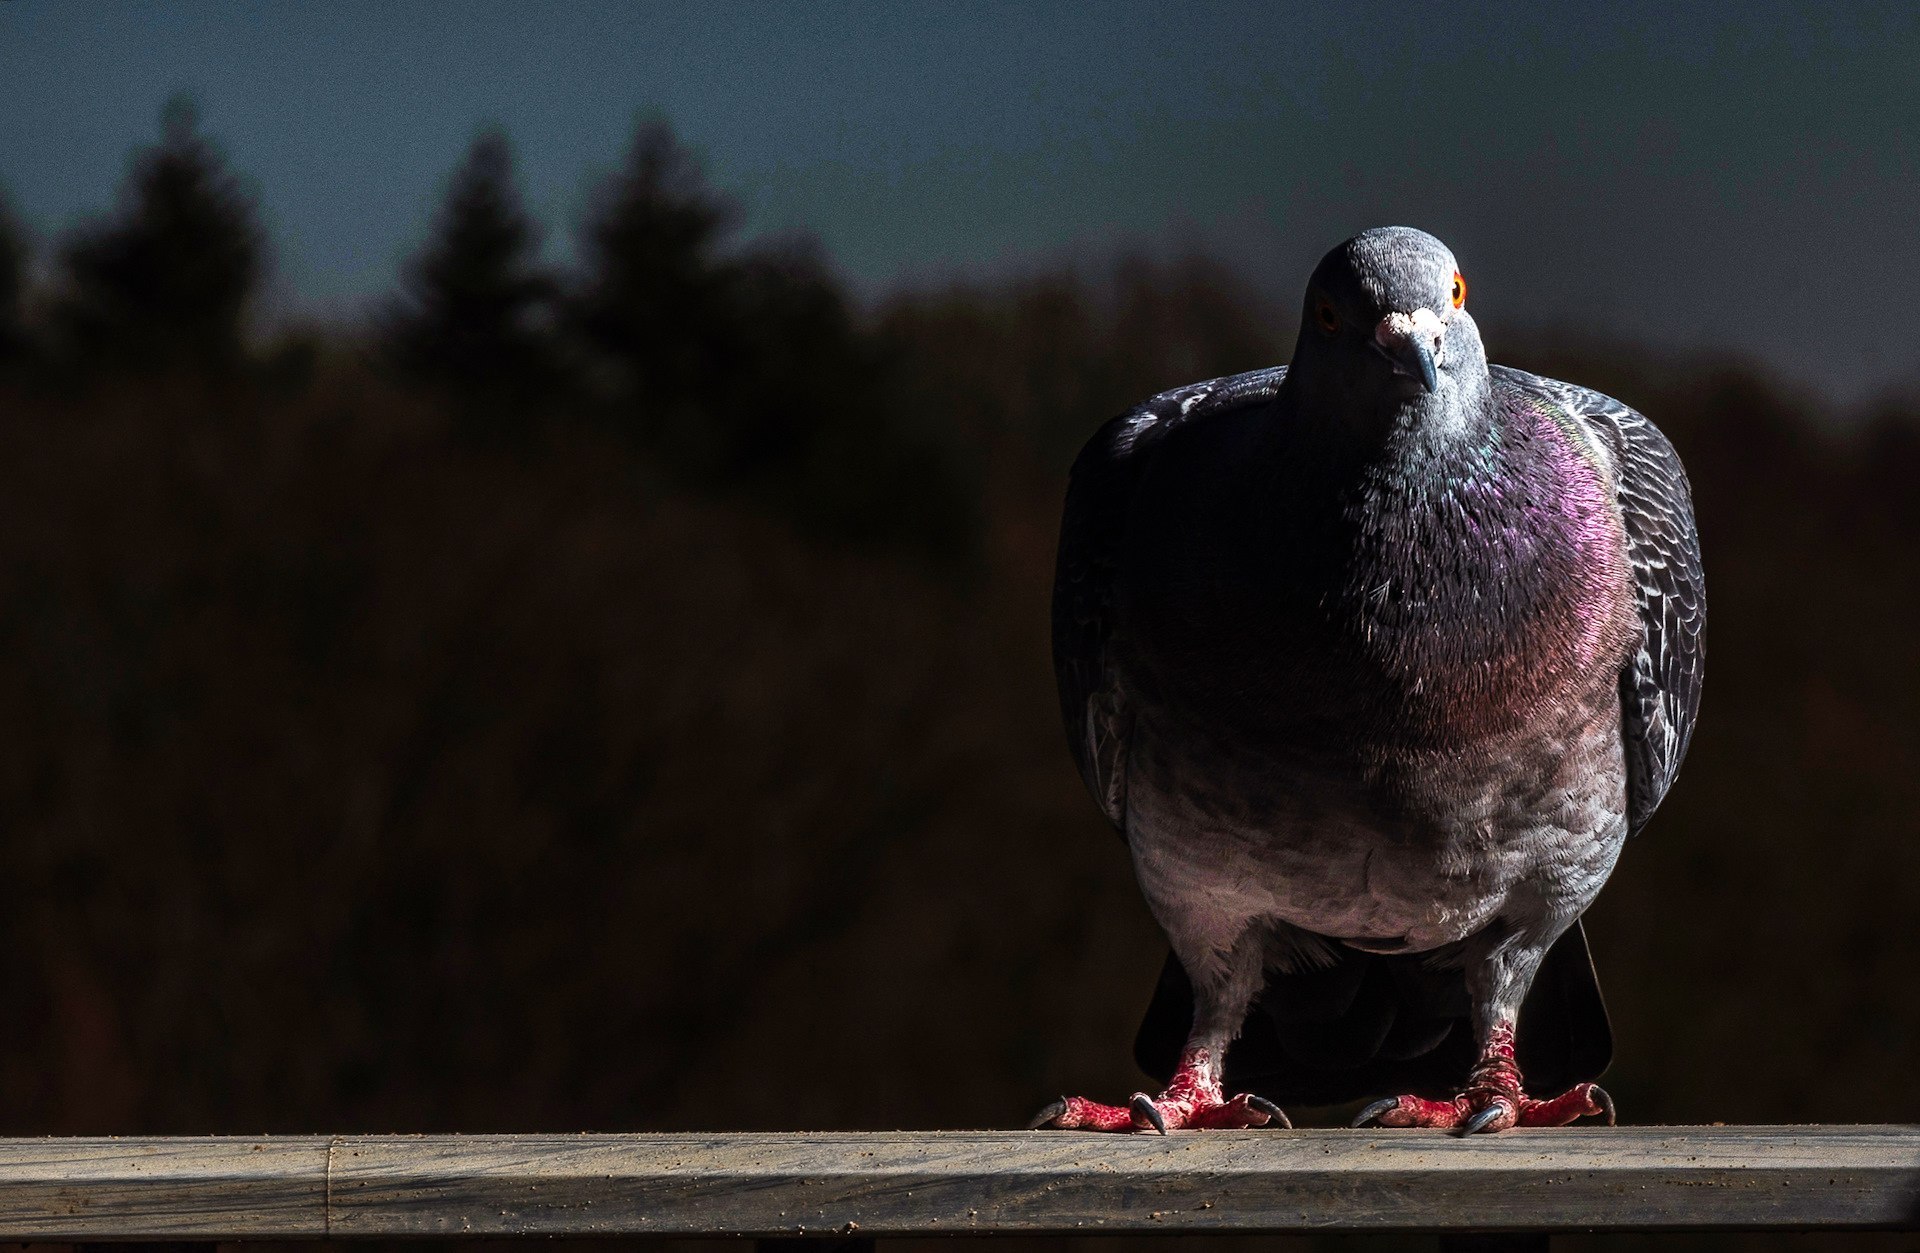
[1740,181]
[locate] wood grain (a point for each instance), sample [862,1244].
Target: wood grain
[162,1189]
[898,1183]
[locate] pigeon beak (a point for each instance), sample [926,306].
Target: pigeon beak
[1412,343]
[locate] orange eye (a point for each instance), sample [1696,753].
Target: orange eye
[1329,319]
[1459,290]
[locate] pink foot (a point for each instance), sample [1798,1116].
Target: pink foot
[1193,1100]
[1473,1111]
[1492,1101]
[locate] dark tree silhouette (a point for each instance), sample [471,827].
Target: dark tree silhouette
[656,307]
[800,367]
[475,316]
[168,279]
[13,285]
[749,367]
[815,409]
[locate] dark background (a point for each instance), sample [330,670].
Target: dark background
[612,692]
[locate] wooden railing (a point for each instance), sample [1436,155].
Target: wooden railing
[861,1186]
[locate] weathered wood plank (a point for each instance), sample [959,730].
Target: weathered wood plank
[163,1189]
[1679,1178]
[894,1184]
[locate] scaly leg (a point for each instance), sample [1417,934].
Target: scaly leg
[1224,984]
[1492,1100]
[1193,1099]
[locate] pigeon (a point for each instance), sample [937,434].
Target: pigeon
[1376,660]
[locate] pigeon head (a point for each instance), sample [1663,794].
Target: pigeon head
[1385,330]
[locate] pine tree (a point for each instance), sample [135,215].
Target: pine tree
[749,368]
[475,317]
[656,306]
[168,279]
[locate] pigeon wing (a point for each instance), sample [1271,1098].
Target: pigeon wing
[1093,703]
[1660,687]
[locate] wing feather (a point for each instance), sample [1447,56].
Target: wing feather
[1660,687]
[1093,701]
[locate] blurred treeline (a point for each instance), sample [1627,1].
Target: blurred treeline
[616,696]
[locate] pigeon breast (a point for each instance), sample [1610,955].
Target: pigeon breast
[1426,595]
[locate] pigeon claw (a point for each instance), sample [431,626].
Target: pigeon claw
[1071,1113]
[1276,1117]
[1048,1115]
[1376,1112]
[1146,1113]
[1582,1100]
[1484,1119]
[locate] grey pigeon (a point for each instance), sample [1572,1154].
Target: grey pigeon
[1376,660]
